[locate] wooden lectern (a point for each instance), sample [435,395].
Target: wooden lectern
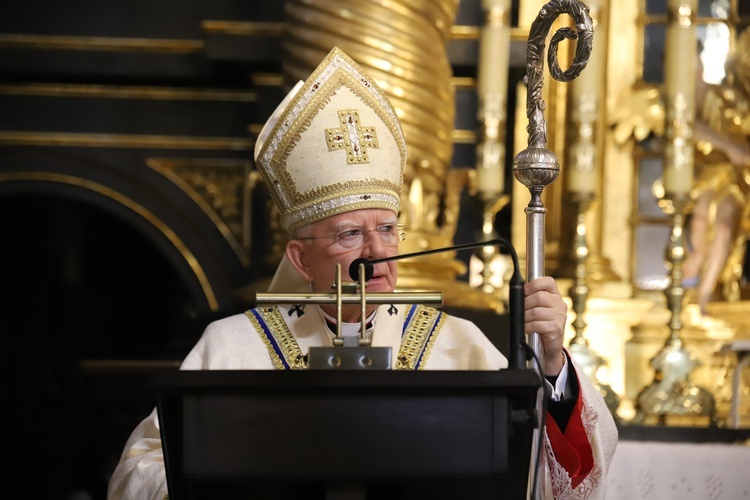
[347,434]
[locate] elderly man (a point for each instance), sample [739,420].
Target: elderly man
[333,156]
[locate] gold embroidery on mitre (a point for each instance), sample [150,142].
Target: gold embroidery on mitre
[300,207]
[302,171]
[352,137]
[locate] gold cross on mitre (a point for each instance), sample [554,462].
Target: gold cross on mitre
[352,137]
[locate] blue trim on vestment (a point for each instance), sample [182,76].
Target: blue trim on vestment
[427,339]
[271,338]
[409,314]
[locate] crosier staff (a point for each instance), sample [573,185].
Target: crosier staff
[537,166]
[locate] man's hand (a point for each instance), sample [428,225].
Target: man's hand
[545,313]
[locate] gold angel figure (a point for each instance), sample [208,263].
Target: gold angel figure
[720,220]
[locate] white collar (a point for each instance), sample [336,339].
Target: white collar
[350,329]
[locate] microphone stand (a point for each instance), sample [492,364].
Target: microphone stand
[359,354]
[349,353]
[537,166]
[363,269]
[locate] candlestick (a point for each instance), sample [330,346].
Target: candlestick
[672,392]
[579,347]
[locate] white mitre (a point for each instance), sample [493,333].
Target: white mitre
[334,145]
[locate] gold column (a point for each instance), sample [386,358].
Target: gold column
[492,89]
[672,392]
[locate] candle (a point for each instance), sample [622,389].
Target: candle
[586,94]
[679,83]
[494,48]
[492,87]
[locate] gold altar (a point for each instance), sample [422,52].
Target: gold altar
[622,308]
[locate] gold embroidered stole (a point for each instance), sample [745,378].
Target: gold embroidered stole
[421,327]
[281,344]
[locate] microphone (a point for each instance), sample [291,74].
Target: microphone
[354,269]
[516,295]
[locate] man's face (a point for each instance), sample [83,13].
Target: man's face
[341,239]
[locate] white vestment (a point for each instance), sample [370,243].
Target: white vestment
[234,344]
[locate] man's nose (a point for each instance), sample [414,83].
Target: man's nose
[372,245]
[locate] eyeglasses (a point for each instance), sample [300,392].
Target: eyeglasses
[388,234]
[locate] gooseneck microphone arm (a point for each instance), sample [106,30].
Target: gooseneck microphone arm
[517,355]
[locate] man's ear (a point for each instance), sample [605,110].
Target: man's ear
[296,254]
